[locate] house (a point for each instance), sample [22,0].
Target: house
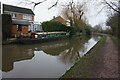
[35,27]
[21,19]
[60,19]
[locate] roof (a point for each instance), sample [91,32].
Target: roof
[21,22]
[60,19]
[17,9]
[44,33]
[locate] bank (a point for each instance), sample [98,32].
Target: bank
[116,41]
[86,66]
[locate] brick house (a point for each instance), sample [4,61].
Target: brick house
[60,19]
[21,19]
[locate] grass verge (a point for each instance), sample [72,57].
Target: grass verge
[116,41]
[87,65]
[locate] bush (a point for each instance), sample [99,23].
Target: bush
[50,26]
[72,30]
[88,30]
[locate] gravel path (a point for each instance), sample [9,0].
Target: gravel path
[110,60]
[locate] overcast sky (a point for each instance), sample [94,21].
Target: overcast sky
[43,14]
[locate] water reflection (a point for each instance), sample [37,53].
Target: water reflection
[55,48]
[88,45]
[13,53]
[47,60]
[72,53]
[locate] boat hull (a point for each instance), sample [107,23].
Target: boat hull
[37,40]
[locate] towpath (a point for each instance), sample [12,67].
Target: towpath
[109,69]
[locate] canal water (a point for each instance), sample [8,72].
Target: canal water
[46,60]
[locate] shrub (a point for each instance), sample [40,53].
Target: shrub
[53,26]
[88,30]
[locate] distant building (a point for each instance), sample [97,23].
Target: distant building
[21,18]
[35,27]
[61,20]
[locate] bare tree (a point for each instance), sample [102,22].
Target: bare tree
[113,5]
[56,3]
[113,20]
[74,13]
[97,28]
[34,3]
[108,5]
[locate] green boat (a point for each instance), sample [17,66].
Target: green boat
[43,37]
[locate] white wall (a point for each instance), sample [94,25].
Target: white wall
[35,27]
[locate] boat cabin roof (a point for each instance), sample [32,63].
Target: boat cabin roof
[40,33]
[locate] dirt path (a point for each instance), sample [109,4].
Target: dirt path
[110,60]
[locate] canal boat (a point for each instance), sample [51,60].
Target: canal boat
[42,37]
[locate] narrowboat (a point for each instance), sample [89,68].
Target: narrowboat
[42,37]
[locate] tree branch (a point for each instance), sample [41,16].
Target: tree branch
[29,2]
[101,10]
[115,5]
[111,7]
[35,4]
[53,5]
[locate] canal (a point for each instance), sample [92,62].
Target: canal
[46,60]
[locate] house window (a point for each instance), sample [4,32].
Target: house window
[14,15]
[27,17]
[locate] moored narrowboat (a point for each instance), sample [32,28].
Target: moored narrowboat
[42,37]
